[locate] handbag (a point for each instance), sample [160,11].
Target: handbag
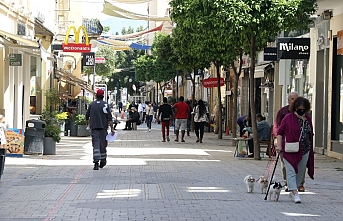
[294,146]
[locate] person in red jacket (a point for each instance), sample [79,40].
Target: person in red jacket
[297,127]
[182,109]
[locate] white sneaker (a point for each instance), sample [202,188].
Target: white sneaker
[149,130]
[297,198]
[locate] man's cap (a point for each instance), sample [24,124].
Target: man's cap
[99,92]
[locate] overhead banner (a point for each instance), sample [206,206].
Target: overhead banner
[88,59]
[293,48]
[76,47]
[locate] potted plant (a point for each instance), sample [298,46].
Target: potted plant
[81,126]
[61,117]
[72,124]
[52,134]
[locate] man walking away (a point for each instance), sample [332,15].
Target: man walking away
[120,106]
[182,110]
[165,112]
[100,116]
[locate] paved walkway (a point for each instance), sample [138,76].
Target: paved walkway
[146,179]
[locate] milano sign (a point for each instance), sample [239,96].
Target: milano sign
[293,48]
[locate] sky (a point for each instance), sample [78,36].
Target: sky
[94,8]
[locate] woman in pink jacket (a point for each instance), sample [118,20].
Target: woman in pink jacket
[297,127]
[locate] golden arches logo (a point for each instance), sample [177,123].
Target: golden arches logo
[76,47]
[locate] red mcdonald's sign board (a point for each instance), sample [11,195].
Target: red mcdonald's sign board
[212,82]
[76,47]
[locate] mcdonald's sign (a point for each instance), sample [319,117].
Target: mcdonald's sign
[76,47]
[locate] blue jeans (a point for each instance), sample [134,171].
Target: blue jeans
[294,179]
[148,121]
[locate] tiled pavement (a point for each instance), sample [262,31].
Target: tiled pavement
[146,179]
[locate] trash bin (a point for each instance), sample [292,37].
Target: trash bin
[34,137]
[2,160]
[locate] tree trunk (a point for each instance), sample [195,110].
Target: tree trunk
[252,99]
[235,105]
[235,95]
[193,98]
[220,123]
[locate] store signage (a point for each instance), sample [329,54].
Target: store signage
[100,60]
[340,42]
[76,47]
[16,60]
[212,82]
[293,48]
[270,54]
[88,59]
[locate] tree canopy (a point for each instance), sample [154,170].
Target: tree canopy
[215,28]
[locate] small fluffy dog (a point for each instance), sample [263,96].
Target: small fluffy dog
[275,190]
[263,182]
[249,182]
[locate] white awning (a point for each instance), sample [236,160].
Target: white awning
[20,40]
[259,71]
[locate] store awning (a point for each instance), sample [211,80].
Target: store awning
[26,46]
[62,75]
[259,70]
[20,40]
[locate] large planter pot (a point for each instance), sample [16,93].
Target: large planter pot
[49,146]
[82,131]
[73,129]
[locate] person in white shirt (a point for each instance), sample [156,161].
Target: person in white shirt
[140,110]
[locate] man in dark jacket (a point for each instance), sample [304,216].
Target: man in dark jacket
[133,117]
[100,116]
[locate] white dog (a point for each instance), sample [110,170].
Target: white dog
[249,182]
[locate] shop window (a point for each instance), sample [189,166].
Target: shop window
[299,79]
[35,86]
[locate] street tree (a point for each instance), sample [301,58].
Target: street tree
[208,34]
[263,19]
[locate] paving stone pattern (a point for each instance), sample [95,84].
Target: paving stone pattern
[146,179]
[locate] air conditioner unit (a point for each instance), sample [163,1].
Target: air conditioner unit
[327,15]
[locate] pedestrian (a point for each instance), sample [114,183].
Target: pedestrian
[120,106]
[144,111]
[165,112]
[189,117]
[128,106]
[200,118]
[140,110]
[182,110]
[155,108]
[263,129]
[297,127]
[3,139]
[243,122]
[149,115]
[100,116]
[280,115]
